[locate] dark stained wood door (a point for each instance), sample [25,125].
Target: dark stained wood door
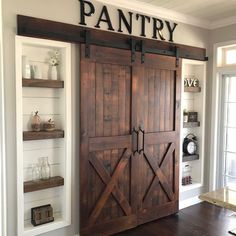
[106,142]
[158,120]
[129,140]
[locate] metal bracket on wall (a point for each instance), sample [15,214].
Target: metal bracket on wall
[177,56]
[142,51]
[87,43]
[133,47]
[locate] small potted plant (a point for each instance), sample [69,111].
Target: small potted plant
[54,62]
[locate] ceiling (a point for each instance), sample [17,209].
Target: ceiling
[210,10]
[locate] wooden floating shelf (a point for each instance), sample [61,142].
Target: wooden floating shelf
[32,135]
[190,158]
[42,83]
[191,124]
[192,89]
[31,186]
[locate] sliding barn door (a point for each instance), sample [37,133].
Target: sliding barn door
[158,121]
[129,156]
[106,142]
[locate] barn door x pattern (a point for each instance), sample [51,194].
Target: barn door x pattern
[129,140]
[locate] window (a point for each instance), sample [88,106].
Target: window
[227,157]
[226,56]
[230,57]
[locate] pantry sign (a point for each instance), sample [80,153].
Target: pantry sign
[160,29]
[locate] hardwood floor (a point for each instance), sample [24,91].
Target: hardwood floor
[203,219]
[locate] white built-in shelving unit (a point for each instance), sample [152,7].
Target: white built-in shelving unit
[193,99]
[53,100]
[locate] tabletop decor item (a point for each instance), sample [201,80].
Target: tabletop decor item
[45,168]
[54,63]
[36,72]
[186,175]
[190,144]
[185,116]
[41,215]
[49,125]
[192,116]
[191,81]
[36,172]
[35,122]
[26,71]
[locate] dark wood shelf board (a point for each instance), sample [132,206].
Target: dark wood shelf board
[31,186]
[192,89]
[191,124]
[33,135]
[190,157]
[42,83]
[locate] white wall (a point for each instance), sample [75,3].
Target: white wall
[67,12]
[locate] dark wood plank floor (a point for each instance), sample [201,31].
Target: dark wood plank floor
[203,219]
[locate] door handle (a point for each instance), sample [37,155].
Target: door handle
[143,132]
[136,132]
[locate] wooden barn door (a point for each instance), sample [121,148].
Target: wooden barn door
[129,140]
[106,142]
[159,120]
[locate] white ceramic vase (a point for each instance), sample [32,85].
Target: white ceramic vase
[53,73]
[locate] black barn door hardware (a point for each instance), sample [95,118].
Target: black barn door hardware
[133,48]
[177,56]
[143,132]
[142,51]
[41,28]
[87,43]
[136,133]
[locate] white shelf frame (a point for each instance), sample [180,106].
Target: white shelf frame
[200,183]
[64,220]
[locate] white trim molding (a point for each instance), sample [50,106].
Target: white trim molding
[161,12]
[223,22]
[215,112]
[3,221]
[189,202]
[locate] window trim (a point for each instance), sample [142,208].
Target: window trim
[218,71]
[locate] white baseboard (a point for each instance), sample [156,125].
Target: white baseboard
[189,202]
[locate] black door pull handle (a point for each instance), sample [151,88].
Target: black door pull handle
[137,139]
[143,132]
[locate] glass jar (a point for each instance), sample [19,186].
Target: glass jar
[45,168]
[185,116]
[36,172]
[186,175]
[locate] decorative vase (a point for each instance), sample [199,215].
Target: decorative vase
[45,169]
[35,123]
[53,73]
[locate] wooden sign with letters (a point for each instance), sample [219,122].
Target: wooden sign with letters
[41,215]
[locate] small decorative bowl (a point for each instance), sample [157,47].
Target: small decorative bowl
[49,126]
